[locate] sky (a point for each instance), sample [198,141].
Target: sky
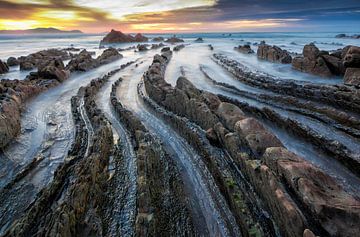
[166,16]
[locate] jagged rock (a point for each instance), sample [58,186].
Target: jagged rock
[119,37]
[142,47]
[352,76]
[174,40]
[311,52]
[36,59]
[140,38]
[109,55]
[199,40]
[334,64]
[165,49]
[3,67]
[158,39]
[313,62]
[53,69]
[352,57]
[246,49]
[273,54]
[179,47]
[229,114]
[83,62]
[341,36]
[156,46]
[335,210]
[12,61]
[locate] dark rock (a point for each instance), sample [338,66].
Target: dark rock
[273,54]
[199,40]
[315,62]
[334,209]
[246,49]
[34,60]
[3,67]
[53,69]
[179,47]
[334,64]
[140,38]
[12,61]
[352,76]
[142,47]
[83,62]
[174,40]
[119,37]
[158,39]
[352,57]
[347,36]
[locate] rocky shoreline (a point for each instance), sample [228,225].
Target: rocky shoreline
[261,161]
[51,72]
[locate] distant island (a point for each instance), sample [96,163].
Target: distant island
[41,31]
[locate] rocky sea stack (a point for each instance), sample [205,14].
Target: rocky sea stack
[118,37]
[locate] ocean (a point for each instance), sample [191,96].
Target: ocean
[21,45]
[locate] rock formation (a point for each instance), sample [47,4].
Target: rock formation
[84,61]
[12,61]
[342,36]
[179,47]
[199,40]
[3,67]
[34,60]
[273,53]
[174,39]
[313,61]
[158,39]
[246,49]
[119,37]
[313,200]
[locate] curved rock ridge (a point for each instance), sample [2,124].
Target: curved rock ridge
[51,72]
[297,194]
[273,53]
[71,204]
[163,207]
[339,96]
[119,37]
[243,204]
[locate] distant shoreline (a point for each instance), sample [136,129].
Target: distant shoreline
[39,31]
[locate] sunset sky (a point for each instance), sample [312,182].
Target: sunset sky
[182,15]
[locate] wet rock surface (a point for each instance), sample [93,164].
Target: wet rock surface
[250,145]
[273,53]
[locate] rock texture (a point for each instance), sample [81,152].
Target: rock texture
[273,53]
[84,61]
[174,39]
[119,37]
[4,68]
[35,60]
[12,61]
[313,200]
[352,76]
[246,49]
[313,61]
